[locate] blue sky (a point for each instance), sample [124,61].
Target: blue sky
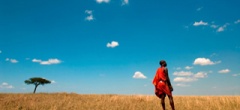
[114,46]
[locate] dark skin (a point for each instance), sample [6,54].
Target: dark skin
[162,96]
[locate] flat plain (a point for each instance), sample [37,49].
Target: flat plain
[73,101]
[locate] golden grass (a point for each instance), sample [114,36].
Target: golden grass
[72,101]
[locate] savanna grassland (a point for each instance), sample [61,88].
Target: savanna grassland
[72,101]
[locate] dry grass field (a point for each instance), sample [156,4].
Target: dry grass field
[72,101]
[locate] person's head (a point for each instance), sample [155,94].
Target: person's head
[163,63]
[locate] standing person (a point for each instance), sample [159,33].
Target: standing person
[163,85]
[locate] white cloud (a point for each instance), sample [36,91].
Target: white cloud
[204,61]
[0,51]
[90,15]
[182,85]
[139,75]
[222,28]
[183,73]
[53,81]
[48,62]
[11,60]
[88,11]
[89,18]
[36,60]
[125,2]
[200,23]
[188,67]
[238,21]
[6,85]
[184,79]
[113,44]
[224,71]
[102,1]
[200,75]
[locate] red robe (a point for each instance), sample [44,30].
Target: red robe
[160,82]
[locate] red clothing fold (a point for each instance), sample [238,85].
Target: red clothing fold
[159,81]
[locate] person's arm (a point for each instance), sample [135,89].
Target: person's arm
[168,80]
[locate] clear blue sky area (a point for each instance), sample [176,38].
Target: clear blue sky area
[114,46]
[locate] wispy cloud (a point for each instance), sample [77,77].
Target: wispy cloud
[36,60]
[178,68]
[183,73]
[199,9]
[184,79]
[51,61]
[236,75]
[200,75]
[222,28]
[186,27]
[182,85]
[6,85]
[0,51]
[219,28]
[204,61]
[213,54]
[224,71]
[53,82]
[214,26]
[139,75]
[11,60]
[187,76]
[88,11]
[238,21]
[27,58]
[214,87]
[102,1]
[90,15]
[89,18]
[200,23]
[48,62]
[125,2]
[113,44]
[188,67]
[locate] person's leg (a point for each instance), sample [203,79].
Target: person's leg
[171,102]
[163,100]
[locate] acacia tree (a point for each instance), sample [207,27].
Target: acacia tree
[37,81]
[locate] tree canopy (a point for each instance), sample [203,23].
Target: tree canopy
[37,81]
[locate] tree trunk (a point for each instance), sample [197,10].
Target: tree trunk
[35,89]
